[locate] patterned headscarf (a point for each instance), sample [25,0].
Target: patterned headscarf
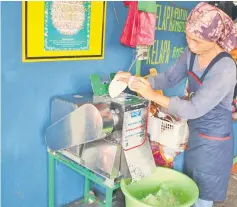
[209,23]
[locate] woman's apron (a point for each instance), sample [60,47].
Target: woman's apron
[208,159]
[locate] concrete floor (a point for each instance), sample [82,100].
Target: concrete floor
[231,200]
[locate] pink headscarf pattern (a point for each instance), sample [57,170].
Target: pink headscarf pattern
[209,23]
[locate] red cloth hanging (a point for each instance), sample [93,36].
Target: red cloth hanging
[126,3]
[129,33]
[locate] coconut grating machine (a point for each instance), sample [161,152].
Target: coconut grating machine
[106,135]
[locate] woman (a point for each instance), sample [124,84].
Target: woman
[211,76]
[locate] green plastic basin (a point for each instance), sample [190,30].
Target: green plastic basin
[184,188]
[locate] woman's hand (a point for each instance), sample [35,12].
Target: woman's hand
[143,87]
[234,116]
[123,76]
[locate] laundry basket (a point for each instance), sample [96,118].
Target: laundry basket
[167,133]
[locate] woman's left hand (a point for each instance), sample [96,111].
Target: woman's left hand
[143,87]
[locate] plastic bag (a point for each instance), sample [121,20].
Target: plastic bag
[129,33]
[146,34]
[139,28]
[165,146]
[161,157]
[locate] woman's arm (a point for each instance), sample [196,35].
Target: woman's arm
[217,84]
[215,87]
[172,76]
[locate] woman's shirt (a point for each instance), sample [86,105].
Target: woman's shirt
[217,87]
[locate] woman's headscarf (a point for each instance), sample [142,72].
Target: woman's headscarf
[209,23]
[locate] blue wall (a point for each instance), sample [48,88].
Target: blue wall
[26,92]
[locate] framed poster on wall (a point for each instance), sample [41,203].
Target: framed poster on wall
[63,30]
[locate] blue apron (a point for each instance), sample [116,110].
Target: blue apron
[208,159]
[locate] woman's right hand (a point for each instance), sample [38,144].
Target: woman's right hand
[234,116]
[123,76]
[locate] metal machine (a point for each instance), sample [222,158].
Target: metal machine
[107,136]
